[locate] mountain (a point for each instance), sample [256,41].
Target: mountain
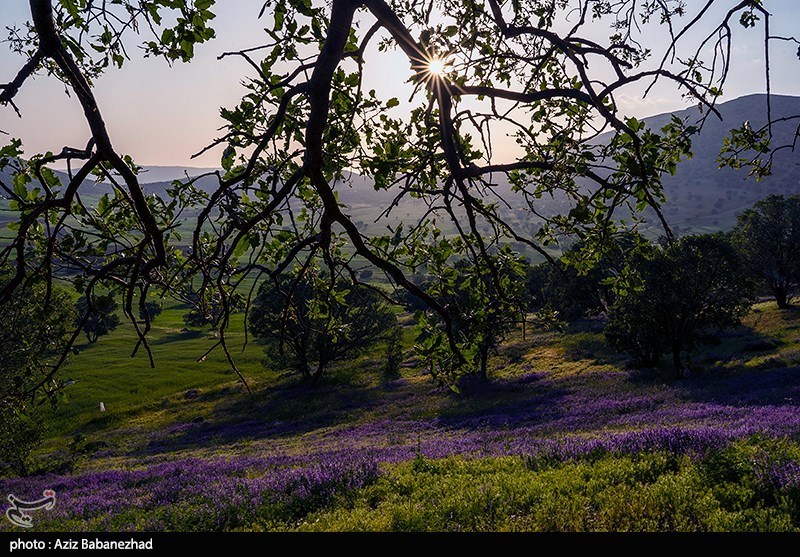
[154,174]
[700,198]
[703,197]
[156,177]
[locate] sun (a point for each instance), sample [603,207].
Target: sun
[437,67]
[433,69]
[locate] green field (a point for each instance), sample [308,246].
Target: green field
[566,436]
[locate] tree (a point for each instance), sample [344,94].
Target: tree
[394,353]
[150,310]
[769,236]
[98,318]
[485,303]
[306,124]
[36,322]
[310,322]
[571,290]
[209,308]
[687,288]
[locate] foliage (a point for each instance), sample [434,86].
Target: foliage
[98,318]
[34,333]
[306,124]
[394,354]
[561,290]
[688,287]
[484,300]
[150,311]
[769,236]
[209,307]
[572,290]
[312,321]
[20,433]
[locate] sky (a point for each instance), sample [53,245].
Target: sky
[161,115]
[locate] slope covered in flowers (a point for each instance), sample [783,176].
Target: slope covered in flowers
[563,421]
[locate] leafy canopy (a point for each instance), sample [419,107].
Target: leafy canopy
[769,236]
[35,333]
[537,70]
[311,321]
[692,287]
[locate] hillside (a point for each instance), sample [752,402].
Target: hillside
[565,437]
[705,197]
[700,198]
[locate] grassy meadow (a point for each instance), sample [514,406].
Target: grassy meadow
[566,436]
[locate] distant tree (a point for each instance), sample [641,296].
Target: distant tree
[151,310]
[562,290]
[394,353]
[410,301]
[33,336]
[572,293]
[692,286]
[311,322]
[208,308]
[769,236]
[100,317]
[482,315]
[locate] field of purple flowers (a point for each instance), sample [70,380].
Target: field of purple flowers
[565,437]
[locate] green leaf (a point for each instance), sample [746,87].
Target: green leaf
[71,7]
[12,150]
[20,183]
[228,157]
[279,16]
[241,246]
[102,205]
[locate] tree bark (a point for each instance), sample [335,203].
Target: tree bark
[781,296]
[51,46]
[484,355]
[319,372]
[676,359]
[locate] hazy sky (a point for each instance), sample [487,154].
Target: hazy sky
[162,115]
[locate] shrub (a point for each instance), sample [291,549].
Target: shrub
[688,288]
[310,322]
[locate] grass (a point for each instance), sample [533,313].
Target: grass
[646,492]
[130,387]
[567,436]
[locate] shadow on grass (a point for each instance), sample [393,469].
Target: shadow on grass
[716,355]
[752,387]
[293,408]
[724,371]
[189,334]
[288,409]
[529,399]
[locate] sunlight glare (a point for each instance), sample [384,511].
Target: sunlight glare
[437,67]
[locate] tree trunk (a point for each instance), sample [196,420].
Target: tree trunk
[484,355]
[319,371]
[676,360]
[781,297]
